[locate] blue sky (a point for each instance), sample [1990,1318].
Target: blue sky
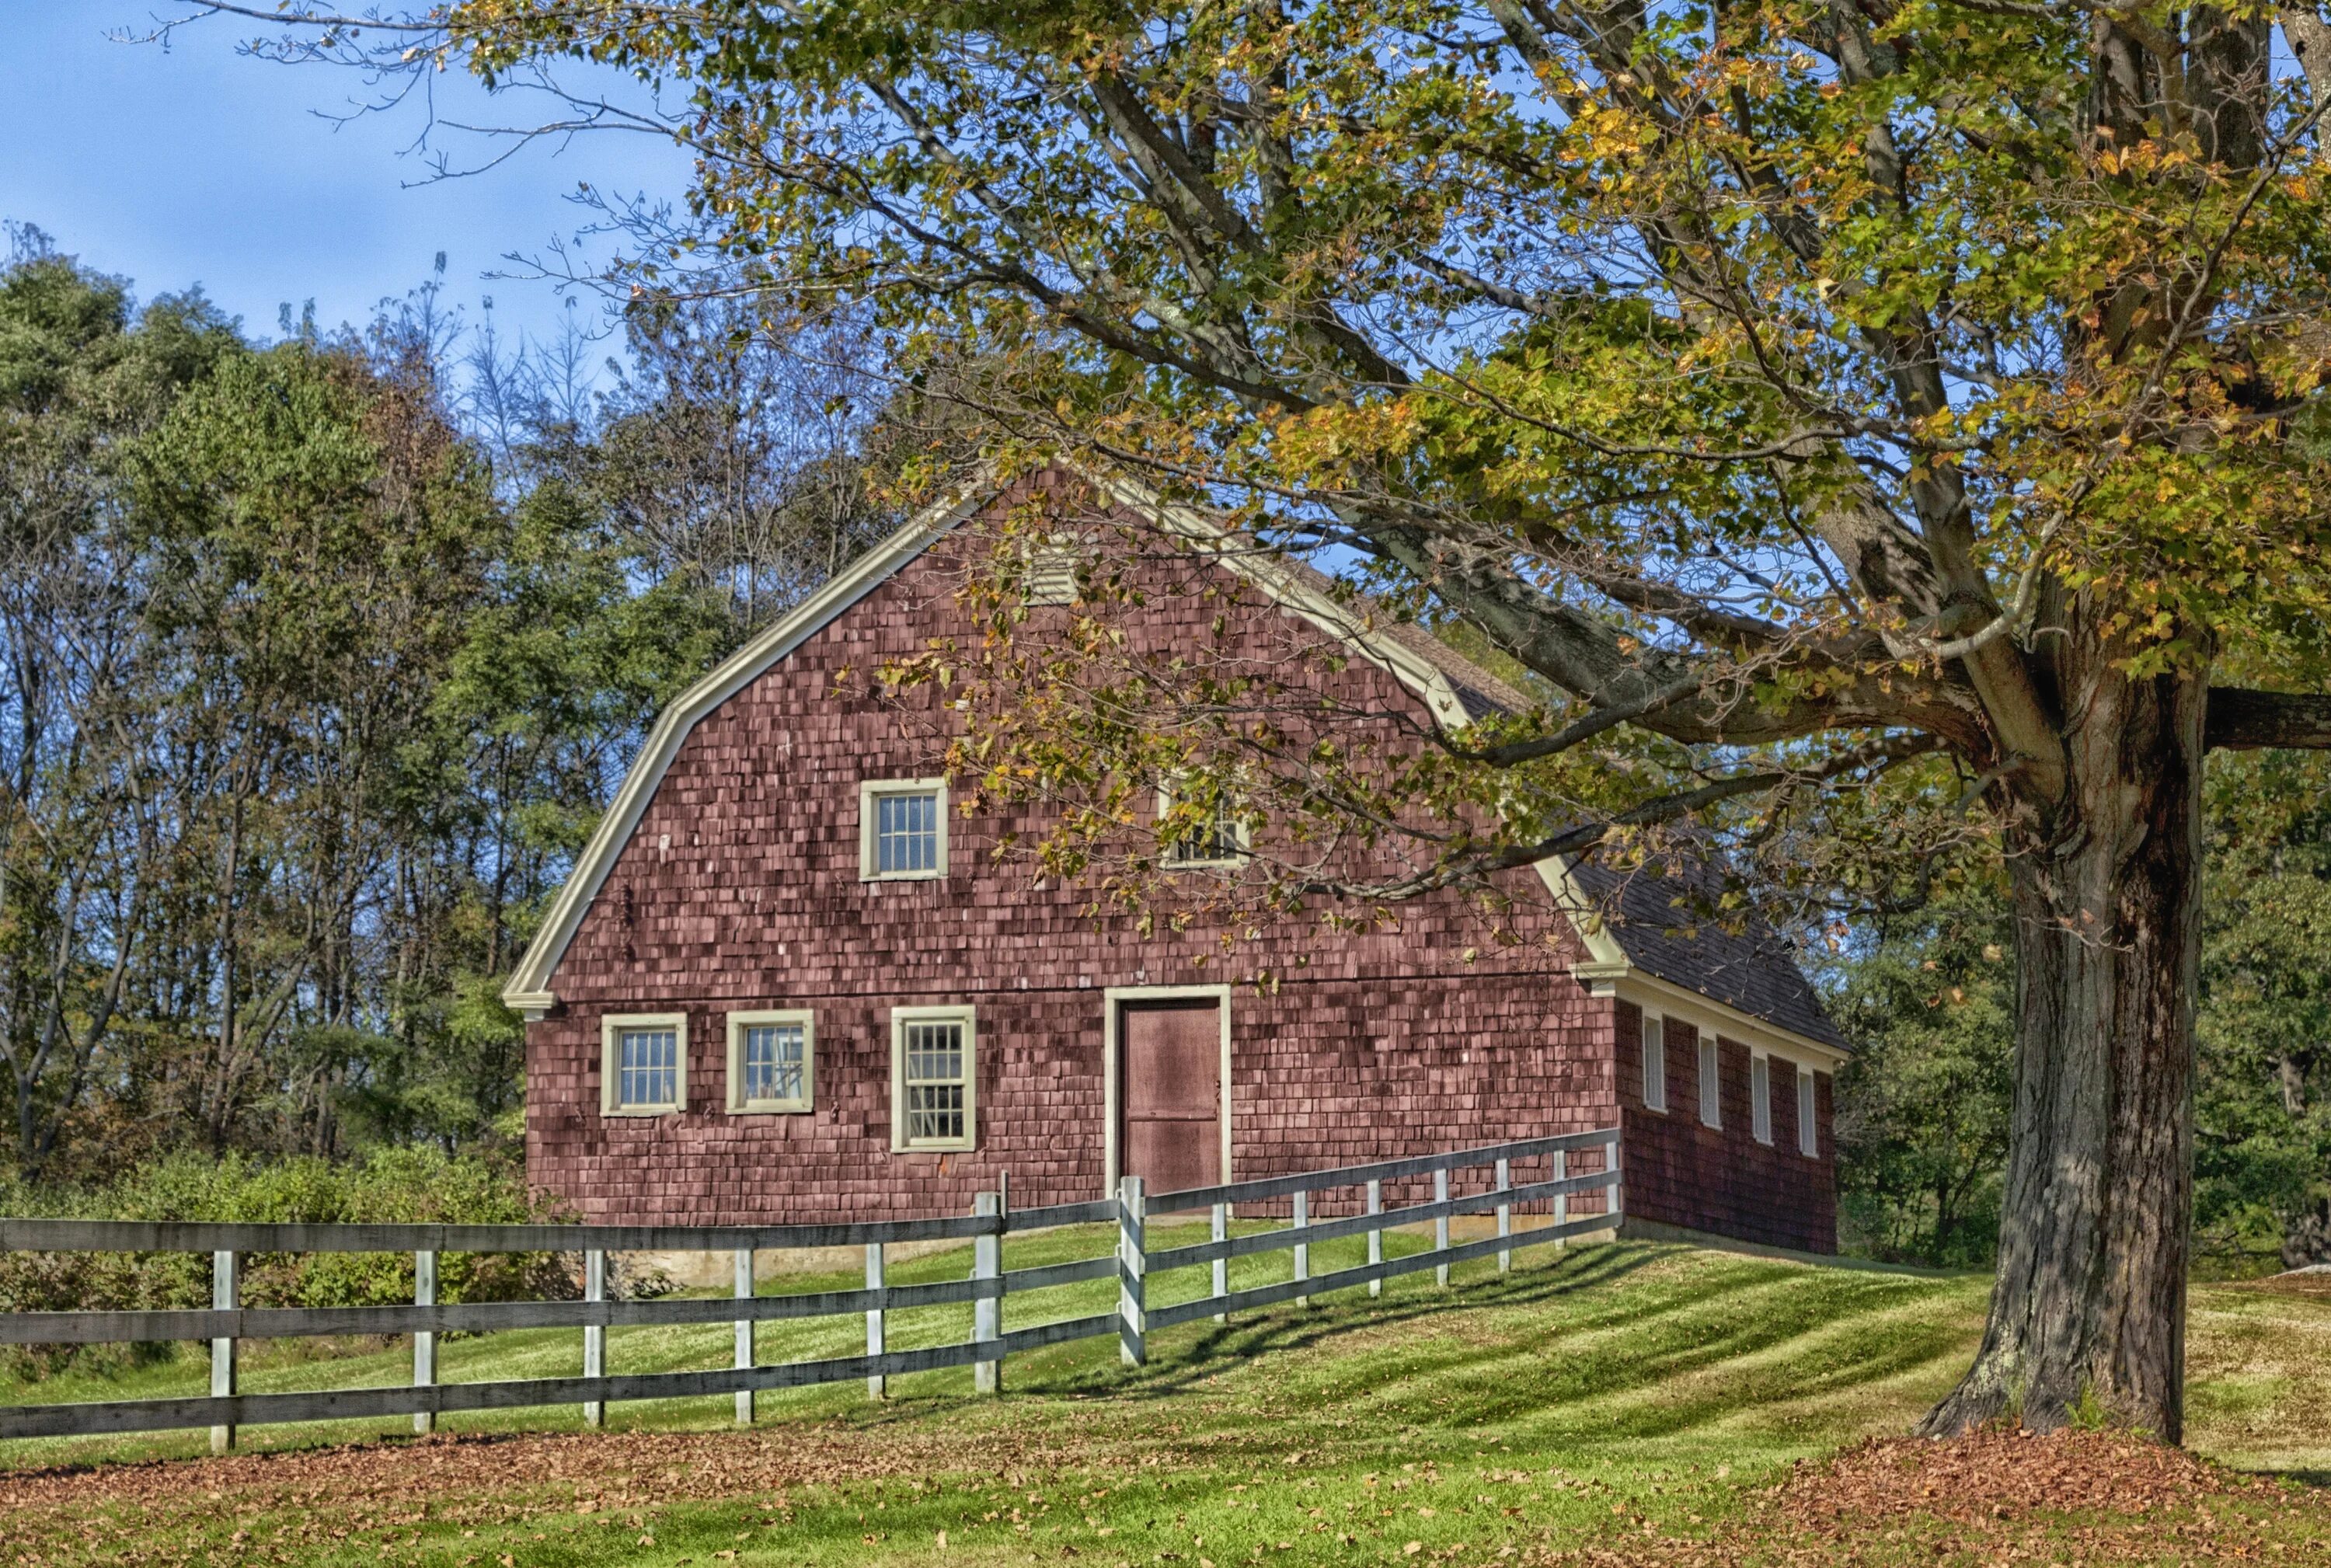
[196,165]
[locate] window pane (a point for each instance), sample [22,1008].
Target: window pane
[1711,1091]
[1760,1099]
[1808,1136]
[1212,841]
[935,1082]
[1655,1064]
[648,1067]
[906,833]
[776,1061]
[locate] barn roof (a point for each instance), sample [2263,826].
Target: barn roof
[1667,932]
[1639,932]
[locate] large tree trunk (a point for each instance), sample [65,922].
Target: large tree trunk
[2089,1312]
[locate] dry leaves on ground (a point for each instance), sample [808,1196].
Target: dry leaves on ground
[2001,1496]
[372,1491]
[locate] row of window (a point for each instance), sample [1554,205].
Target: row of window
[773,1068]
[1657,1031]
[902,832]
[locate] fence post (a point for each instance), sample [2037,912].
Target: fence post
[1376,1236]
[1561,1199]
[1303,1248]
[595,1335]
[877,1385]
[1440,1223]
[424,1340]
[225,1297]
[1617,1205]
[987,1311]
[1132,1275]
[745,1359]
[1220,1232]
[1505,1215]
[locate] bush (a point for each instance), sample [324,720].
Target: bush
[399,1185]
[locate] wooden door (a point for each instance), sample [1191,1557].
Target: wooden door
[1170,1094]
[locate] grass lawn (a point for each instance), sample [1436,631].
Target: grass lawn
[1620,1403]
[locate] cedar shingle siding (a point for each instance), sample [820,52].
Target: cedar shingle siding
[739,889]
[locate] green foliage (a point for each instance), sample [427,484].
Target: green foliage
[406,1185]
[1922,1109]
[318,676]
[2263,1115]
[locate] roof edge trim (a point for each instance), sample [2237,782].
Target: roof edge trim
[1425,679]
[528,989]
[1644,988]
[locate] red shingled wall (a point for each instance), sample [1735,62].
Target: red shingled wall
[1722,1179]
[740,889]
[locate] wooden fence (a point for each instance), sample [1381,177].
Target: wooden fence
[226,1322]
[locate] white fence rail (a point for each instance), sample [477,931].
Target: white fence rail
[226,1323]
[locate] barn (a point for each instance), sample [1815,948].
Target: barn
[788,978]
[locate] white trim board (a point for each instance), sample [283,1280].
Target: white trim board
[1709,1016]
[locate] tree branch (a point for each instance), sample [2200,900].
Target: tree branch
[2241,719]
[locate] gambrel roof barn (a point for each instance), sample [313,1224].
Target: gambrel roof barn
[788,976]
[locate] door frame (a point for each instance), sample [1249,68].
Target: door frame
[1113,1000]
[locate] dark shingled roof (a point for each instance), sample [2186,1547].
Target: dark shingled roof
[1658,922]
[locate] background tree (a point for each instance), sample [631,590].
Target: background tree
[2263,1112]
[322,658]
[1923,1107]
[1813,389]
[1928,996]
[88,821]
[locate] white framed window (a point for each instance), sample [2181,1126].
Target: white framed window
[771,1060]
[1760,1098]
[1808,1129]
[934,1078]
[902,829]
[1221,843]
[643,1063]
[1655,1062]
[1712,1084]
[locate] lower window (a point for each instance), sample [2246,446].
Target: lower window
[643,1063]
[934,1077]
[772,1061]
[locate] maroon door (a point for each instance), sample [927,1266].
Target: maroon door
[1170,1124]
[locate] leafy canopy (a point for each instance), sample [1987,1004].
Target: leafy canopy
[1816,387]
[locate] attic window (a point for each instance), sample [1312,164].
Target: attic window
[1052,575]
[1219,842]
[902,829]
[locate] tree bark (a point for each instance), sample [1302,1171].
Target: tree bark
[2088,1316]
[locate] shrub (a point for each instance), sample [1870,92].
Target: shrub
[407,1186]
